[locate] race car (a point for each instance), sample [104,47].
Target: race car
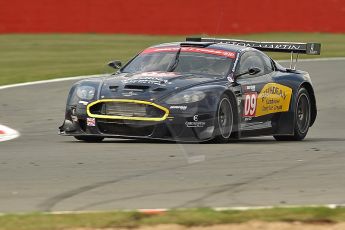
[201,89]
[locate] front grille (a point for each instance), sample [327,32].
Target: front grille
[127,110]
[131,110]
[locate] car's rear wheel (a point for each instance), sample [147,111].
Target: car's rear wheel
[91,139]
[302,118]
[224,122]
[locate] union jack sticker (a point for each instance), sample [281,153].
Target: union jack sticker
[90,121]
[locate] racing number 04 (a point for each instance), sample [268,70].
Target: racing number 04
[250,104]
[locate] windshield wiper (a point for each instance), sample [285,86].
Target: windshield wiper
[173,66]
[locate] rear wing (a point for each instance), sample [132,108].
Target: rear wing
[283,47]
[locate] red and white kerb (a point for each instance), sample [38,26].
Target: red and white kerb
[7,133]
[223,53]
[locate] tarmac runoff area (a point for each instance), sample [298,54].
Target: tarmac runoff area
[41,171]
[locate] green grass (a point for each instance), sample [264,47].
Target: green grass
[191,217]
[44,56]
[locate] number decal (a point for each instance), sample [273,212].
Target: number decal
[250,104]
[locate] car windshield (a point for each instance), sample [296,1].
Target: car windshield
[202,61]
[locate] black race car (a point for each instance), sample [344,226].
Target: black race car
[198,90]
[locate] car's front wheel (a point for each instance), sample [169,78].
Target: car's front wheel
[224,120]
[302,118]
[91,139]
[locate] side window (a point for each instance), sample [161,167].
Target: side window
[251,59]
[268,63]
[255,59]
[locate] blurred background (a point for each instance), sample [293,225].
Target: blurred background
[172,17]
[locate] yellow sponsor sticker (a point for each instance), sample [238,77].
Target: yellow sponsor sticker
[273,98]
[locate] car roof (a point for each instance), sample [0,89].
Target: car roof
[220,46]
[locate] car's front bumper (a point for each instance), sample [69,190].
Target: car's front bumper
[192,125]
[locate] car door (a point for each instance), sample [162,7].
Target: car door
[251,86]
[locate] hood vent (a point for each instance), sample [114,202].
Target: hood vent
[138,88]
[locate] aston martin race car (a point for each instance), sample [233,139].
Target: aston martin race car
[198,90]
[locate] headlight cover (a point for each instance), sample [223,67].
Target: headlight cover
[186,97]
[86,92]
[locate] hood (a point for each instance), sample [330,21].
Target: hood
[149,85]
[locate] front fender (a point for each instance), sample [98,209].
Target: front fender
[73,99]
[76,107]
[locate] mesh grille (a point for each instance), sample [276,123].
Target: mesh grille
[127,109]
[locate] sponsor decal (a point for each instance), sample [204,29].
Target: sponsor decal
[156,74]
[250,104]
[250,87]
[162,49]
[146,80]
[195,117]
[223,53]
[179,107]
[270,45]
[273,98]
[151,78]
[90,121]
[313,48]
[195,123]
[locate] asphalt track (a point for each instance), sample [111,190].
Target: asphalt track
[41,171]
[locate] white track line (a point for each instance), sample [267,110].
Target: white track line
[48,81]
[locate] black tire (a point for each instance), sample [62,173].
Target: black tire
[90,139]
[302,118]
[224,120]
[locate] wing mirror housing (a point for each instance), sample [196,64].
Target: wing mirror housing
[254,70]
[115,64]
[250,71]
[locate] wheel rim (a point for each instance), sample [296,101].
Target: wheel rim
[303,113]
[225,118]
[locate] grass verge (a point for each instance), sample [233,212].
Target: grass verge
[44,56]
[191,217]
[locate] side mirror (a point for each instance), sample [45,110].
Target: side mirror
[250,71]
[254,70]
[115,64]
